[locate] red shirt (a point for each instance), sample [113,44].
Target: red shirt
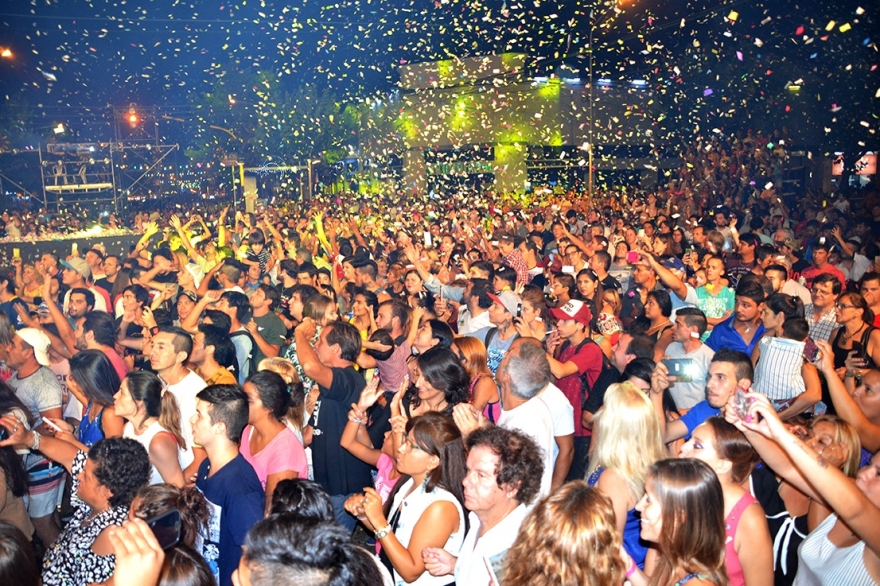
[589,361]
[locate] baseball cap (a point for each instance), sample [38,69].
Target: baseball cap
[79,265]
[39,341]
[508,300]
[575,309]
[673,264]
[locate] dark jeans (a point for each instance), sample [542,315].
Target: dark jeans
[342,516]
[581,459]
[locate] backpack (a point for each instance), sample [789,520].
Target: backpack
[250,361]
[585,383]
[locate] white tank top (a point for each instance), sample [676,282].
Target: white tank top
[145,439]
[822,562]
[411,509]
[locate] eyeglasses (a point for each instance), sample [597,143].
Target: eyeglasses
[410,445]
[842,306]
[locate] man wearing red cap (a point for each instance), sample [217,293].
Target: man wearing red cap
[576,356]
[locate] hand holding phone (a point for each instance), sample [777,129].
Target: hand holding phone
[52,424]
[742,404]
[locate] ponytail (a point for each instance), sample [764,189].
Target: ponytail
[169,417]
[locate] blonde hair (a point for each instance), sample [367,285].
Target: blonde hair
[286,370]
[282,367]
[629,440]
[848,437]
[582,549]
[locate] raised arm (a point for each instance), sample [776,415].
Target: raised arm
[850,504]
[308,358]
[846,407]
[55,449]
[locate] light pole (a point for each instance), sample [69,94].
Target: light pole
[312,163]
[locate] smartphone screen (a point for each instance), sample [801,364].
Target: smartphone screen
[680,368]
[166,528]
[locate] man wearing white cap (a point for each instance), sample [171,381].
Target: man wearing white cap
[39,390]
[498,338]
[77,274]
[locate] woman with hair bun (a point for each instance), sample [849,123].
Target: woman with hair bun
[582,549]
[154,422]
[683,513]
[266,442]
[749,549]
[183,566]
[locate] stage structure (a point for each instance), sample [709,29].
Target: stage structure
[482,117]
[101,175]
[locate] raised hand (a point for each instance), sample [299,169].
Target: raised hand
[369,395]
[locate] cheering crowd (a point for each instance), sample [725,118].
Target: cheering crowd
[666,386]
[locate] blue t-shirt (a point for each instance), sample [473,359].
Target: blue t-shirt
[698,414]
[496,348]
[725,336]
[236,499]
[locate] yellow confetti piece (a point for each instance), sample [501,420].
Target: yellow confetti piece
[845,27]
[733,15]
[830,26]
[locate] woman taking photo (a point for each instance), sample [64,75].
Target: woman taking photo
[266,442]
[426,510]
[106,479]
[94,382]
[532,322]
[683,513]
[844,547]
[749,551]
[627,444]
[855,335]
[154,422]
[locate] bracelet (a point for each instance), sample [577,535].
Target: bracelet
[632,568]
[850,375]
[35,443]
[384,531]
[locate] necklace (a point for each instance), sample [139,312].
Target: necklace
[847,336]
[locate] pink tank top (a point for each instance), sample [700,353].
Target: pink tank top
[731,559]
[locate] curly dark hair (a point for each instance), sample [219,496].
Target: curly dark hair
[520,463]
[123,466]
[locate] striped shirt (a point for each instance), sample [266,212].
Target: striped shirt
[778,373]
[822,562]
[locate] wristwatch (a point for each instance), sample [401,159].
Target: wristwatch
[383,531]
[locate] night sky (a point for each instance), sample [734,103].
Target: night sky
[714,68]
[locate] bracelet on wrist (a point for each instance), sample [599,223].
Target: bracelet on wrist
[35,442]
[632,568]
[850,374]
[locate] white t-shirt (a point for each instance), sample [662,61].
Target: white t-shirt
[562,412]
[185,392]
[534,419]
[475,554]
[686,395]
